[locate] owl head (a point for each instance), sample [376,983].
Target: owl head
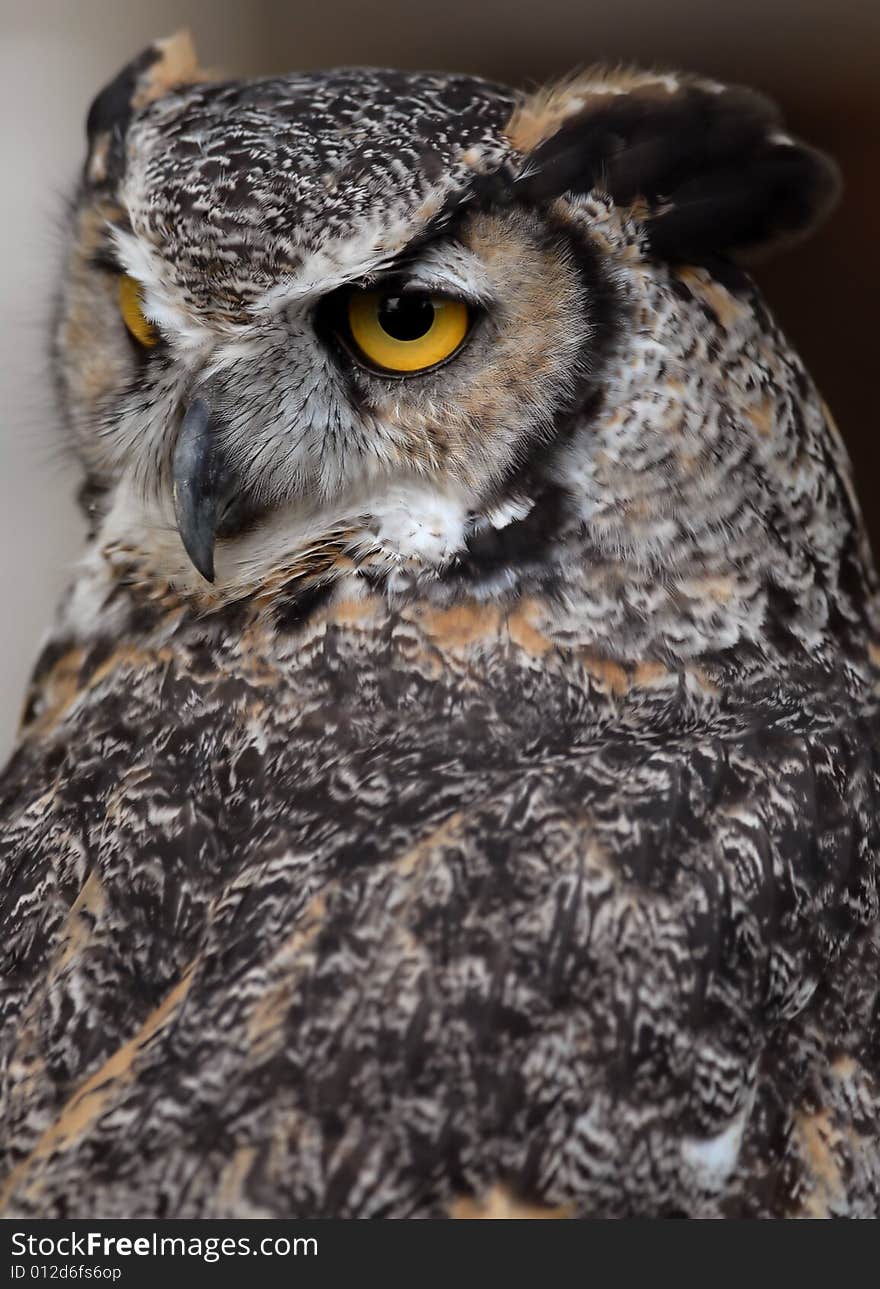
[414,324]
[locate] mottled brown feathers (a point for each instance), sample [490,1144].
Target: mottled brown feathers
[498,834]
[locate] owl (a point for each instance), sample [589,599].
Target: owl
[450,786]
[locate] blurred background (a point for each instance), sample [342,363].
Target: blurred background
[820,59]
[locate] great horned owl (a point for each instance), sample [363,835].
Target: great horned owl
[451,784]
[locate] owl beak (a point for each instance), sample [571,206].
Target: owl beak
[198,480]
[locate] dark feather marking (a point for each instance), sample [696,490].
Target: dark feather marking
[704,162]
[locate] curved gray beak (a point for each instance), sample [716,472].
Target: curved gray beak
[199,485]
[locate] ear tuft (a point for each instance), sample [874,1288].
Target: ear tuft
[539,115]
[750,207]
[708,169]
[160,68]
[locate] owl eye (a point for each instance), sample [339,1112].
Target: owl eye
[133,314]
[406,331]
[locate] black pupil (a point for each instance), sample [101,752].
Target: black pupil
[406,317]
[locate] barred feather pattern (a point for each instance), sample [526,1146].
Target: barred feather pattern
[551,872]
[424,918]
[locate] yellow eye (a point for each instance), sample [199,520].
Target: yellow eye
[133,314]
[408,331]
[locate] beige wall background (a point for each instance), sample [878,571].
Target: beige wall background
[819,58]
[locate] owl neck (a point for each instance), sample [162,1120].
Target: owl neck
[712,509]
